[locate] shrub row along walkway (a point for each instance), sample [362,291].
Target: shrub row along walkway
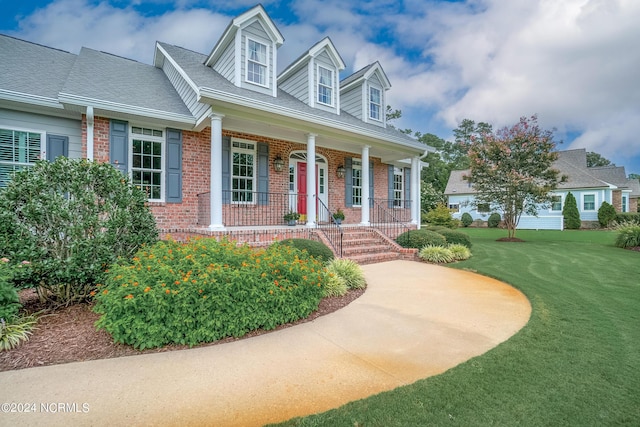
[415,320]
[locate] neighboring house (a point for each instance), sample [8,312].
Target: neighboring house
[590,186]
[217,141]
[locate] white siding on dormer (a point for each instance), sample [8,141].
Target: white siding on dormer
[186,92]
[351,101]
[256,32]
[297,85]
[226,64]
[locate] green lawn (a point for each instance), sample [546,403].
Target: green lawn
[577,362]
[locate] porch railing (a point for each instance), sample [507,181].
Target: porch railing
[330,227]
[391,217]
[252,208]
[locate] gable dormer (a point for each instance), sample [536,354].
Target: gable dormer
[246,54]
[363,94]
[314,77]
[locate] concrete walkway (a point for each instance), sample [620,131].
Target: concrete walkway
[415,320]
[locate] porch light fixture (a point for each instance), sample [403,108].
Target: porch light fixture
[340,171]
[278,164]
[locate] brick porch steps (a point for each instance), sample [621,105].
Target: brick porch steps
[368,246]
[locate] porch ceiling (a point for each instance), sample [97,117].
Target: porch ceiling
[276,126]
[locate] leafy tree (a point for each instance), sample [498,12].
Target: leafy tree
[595,160]
[511,169]
[468,131]
[392,114]
[570,213]
[429,197]
[71,219]
[606,214]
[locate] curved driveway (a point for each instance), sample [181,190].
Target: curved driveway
[414,321]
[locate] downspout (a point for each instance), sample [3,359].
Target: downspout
[90,122]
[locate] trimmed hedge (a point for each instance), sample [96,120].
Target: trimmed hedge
[456,237]
[606,214]
[206,290]
[314,248]
[494,220]
[466,219]
[626,217]
[420,238]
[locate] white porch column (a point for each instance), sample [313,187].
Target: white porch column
[215,192]
[365,187]
[311,180]
[90,123]
[415,190]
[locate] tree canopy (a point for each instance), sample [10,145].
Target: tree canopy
[511,169]
[595,160]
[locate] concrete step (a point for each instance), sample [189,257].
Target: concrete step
[374,257]
[369,249]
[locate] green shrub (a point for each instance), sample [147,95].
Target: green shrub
[9,300]
[336,286]
[466,219]
[570,213]
[494,220]
[314,248]
[460,252]
[14,332]
[454,236]
[349,270]
[436,254]
[628,217]
[441,215]
[71,219]
[420,238]
[606,214]
[628,235]
[206,290]
[436,228]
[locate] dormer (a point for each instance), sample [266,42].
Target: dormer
[363,94]
[314,77]
[246,54]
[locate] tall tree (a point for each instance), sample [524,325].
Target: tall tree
[511,169]
[595,159]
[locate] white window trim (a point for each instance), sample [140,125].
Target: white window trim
[595,202]
[332,87]
[254,179]
[247,60]
[163,158]
[551,210]
[43,142]
[355,166]
[455,206]
[379,119]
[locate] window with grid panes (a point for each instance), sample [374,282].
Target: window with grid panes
[243,157]
[18,150]
[356,182]
[256,62]
[147,170]
[325,86]
[398,187]
[375,103]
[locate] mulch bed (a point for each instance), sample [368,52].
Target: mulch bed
[68,335]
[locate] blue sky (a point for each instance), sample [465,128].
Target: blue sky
[574,63]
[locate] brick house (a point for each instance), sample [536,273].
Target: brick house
[221,143]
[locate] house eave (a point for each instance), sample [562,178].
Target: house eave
[25,98]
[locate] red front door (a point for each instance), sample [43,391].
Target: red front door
[302,188]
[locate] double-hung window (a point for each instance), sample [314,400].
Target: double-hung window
[356,182]
[556,203]
[375,103]
[325,86]
[398,187]
[147,160]
[257,62]
[625,204]
[18,150]
[243,166]
[589,202]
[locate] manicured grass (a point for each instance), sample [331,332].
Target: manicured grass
[576,363]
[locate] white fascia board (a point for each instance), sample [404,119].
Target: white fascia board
[66,98]
[26,98]
[303,116]
[378,68]
[258,13]
[182,73]
[332,51]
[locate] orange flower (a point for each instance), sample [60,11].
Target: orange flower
[129,297]
[276,283]
[177,282]
[147,289]
[167,291]
[92,293]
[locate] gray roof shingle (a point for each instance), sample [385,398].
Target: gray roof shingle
[33,69]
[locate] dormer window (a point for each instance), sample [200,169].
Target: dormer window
[257,62]
[325,86]
[375,103]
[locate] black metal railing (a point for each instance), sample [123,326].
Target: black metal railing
[391,217]
[330,227]
[252,208]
